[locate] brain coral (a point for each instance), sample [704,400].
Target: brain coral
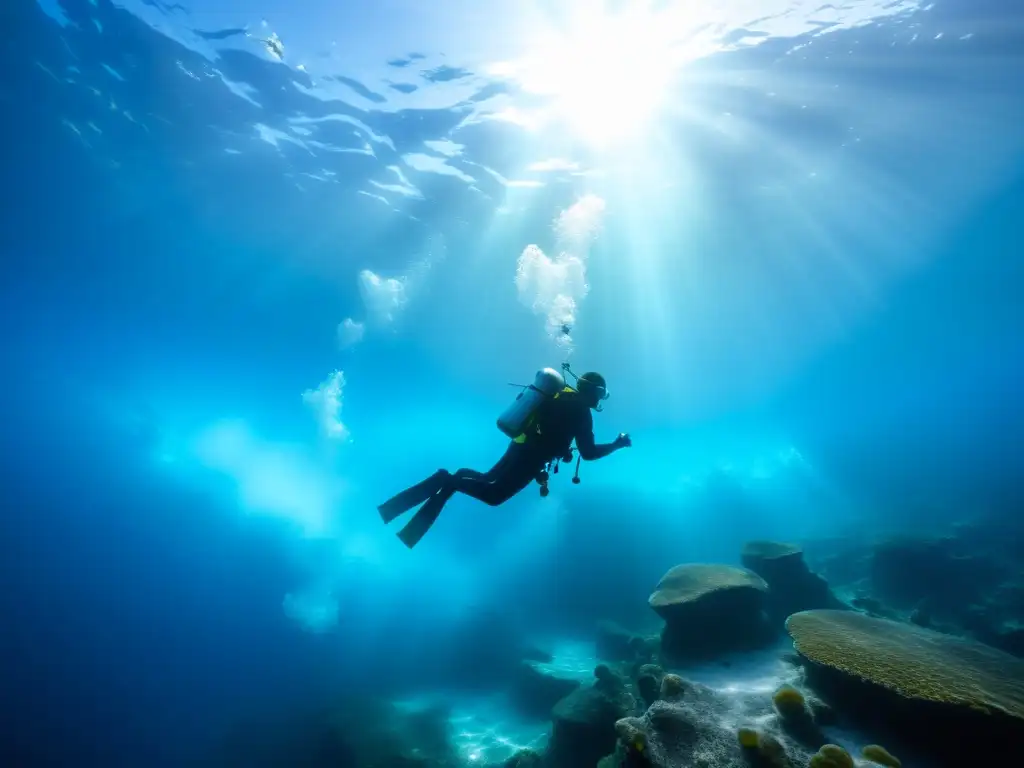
[913,662]
[691,582]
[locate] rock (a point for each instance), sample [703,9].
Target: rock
[648,683]
[873,607]
[532,653]
[710,610]
[524,758]
[697,730]
[536,690]
[353,731]
[1006,636]
[583,728]
[922,614]
[614,643]
[905,571]
[792,586]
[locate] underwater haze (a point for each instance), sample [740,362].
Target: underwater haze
[266,265]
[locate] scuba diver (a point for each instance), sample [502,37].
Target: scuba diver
[543,422]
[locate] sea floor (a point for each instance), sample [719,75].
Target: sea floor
[487,730]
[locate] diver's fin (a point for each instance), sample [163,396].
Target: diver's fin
[425,517]
[411,497]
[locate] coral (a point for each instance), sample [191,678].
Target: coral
[748,738]
[880,755]
[797,716]
[672,686]
[651,669]
[689,583]
[710,610]
[695,731]
[914,681]
[627,730]
[648,682]
[831,756]
[913,662]
[772,752]
[789,702]
[638,743]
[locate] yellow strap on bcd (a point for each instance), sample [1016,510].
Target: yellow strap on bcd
[521,438]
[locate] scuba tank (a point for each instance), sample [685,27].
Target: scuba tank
[546,384]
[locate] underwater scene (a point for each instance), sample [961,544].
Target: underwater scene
[512,384]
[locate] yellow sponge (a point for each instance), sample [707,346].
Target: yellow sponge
[748,738]
[639,742]
[789,701]
[831,756]
[880,755]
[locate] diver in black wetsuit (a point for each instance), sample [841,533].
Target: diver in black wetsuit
[548,434]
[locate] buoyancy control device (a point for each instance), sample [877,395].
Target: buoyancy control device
[547,384]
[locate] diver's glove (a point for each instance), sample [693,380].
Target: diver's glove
[623,441]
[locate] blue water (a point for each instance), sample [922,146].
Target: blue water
[264,266]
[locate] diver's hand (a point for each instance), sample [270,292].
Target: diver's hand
[623,441]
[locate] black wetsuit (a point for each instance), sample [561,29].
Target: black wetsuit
[559,422]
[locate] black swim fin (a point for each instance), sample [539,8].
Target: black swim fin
[411,497]
[425,517]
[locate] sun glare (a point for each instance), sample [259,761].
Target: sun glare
[607,74]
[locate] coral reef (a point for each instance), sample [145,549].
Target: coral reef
[710,610]
[792,585]
[913,680]
[695,731]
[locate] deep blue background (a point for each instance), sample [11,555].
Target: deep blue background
[138,619]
